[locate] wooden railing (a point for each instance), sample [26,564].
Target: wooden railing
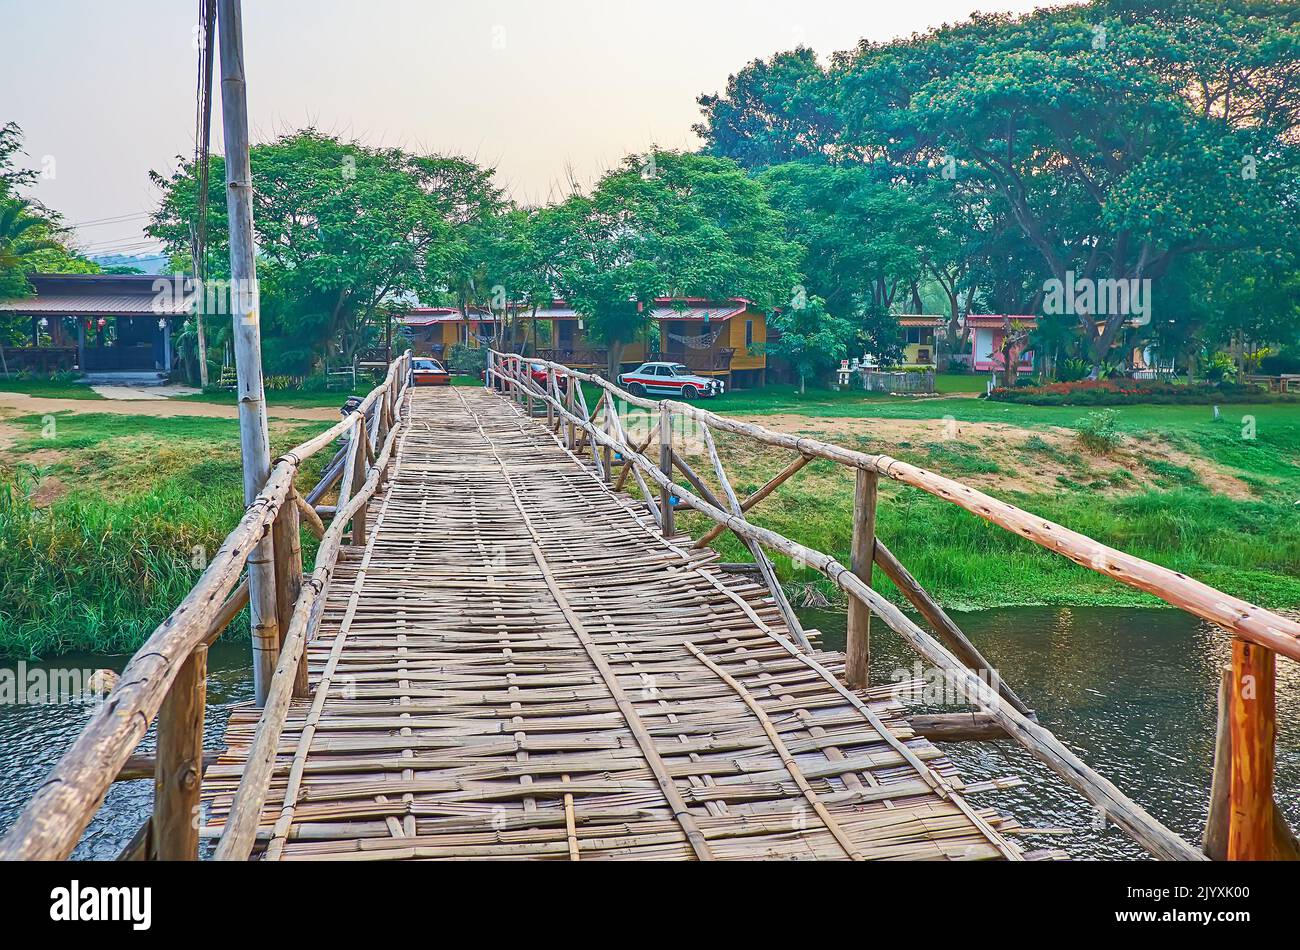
[1243,822]
[166,677]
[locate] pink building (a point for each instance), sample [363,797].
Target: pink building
[987,332]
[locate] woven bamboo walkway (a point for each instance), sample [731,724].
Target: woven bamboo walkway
[517,665]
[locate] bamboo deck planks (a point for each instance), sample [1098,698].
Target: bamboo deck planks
[517,665]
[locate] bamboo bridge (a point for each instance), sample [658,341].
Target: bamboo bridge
[506,649]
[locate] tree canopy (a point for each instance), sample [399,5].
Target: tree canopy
[1120,140]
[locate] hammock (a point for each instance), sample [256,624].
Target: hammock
[703,342]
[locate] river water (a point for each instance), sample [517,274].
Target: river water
[1132,692]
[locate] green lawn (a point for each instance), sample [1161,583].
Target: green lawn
[48,388]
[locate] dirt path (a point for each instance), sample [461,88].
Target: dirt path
[22,404]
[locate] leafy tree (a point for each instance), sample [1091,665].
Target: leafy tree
[344,232]
[810,339]
[11,145]
[1108,131]
[672,224]
[1118,140]
[773,111]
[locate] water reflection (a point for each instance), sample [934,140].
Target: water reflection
[32,737]
[1132,692]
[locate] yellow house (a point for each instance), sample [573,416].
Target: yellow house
[569,343]
[434,330]
[919,338]
[714,338]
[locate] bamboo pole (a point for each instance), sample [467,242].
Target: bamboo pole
[179,771]
[570,431]
[857,659]
[755,549]
[362,510]
[1253,731]
[1214,840]
[287,538]
[957,727]
[770,486]
[254,440]
[550,409]
[666,523]
[937,617]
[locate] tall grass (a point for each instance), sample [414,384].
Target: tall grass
[96,573]
[151,499]
[1246,548]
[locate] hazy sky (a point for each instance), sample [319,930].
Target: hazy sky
[104,91]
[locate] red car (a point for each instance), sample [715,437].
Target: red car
[537,371]
[428,372]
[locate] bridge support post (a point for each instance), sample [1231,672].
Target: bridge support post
[358,479]
[550,394]
[286,538]
[666,525]
[857,660]
[178,772]
[570,394]
[606,452]
[1253,728]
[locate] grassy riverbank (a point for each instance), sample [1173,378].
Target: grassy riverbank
[105,522]
[1213,499]
[102,514]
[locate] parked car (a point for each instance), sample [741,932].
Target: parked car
[428,372]
[670,379]
[536,370]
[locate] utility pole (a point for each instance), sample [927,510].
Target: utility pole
[253,438]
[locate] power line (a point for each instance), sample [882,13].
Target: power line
[92,222]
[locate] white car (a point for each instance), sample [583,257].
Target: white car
[669,379]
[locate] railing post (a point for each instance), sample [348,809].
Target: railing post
[857,660]
[550,392]
[606,451]
[1254,729]
[570,397]
[358,480]
[666,467]
[287,538]
[178,773]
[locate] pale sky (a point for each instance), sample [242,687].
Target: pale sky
[104,91]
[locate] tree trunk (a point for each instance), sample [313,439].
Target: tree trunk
[801,383]
[614,358]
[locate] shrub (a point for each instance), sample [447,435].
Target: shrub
[1220,367]
[1287,360]
[466,360]
[1099,431]
[1121,391]
[1071,370]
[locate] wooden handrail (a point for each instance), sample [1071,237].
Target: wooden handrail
[240,832]
[61,808]
[1159,840]
[1246,620]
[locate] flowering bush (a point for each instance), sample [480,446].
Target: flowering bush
[1120,391]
